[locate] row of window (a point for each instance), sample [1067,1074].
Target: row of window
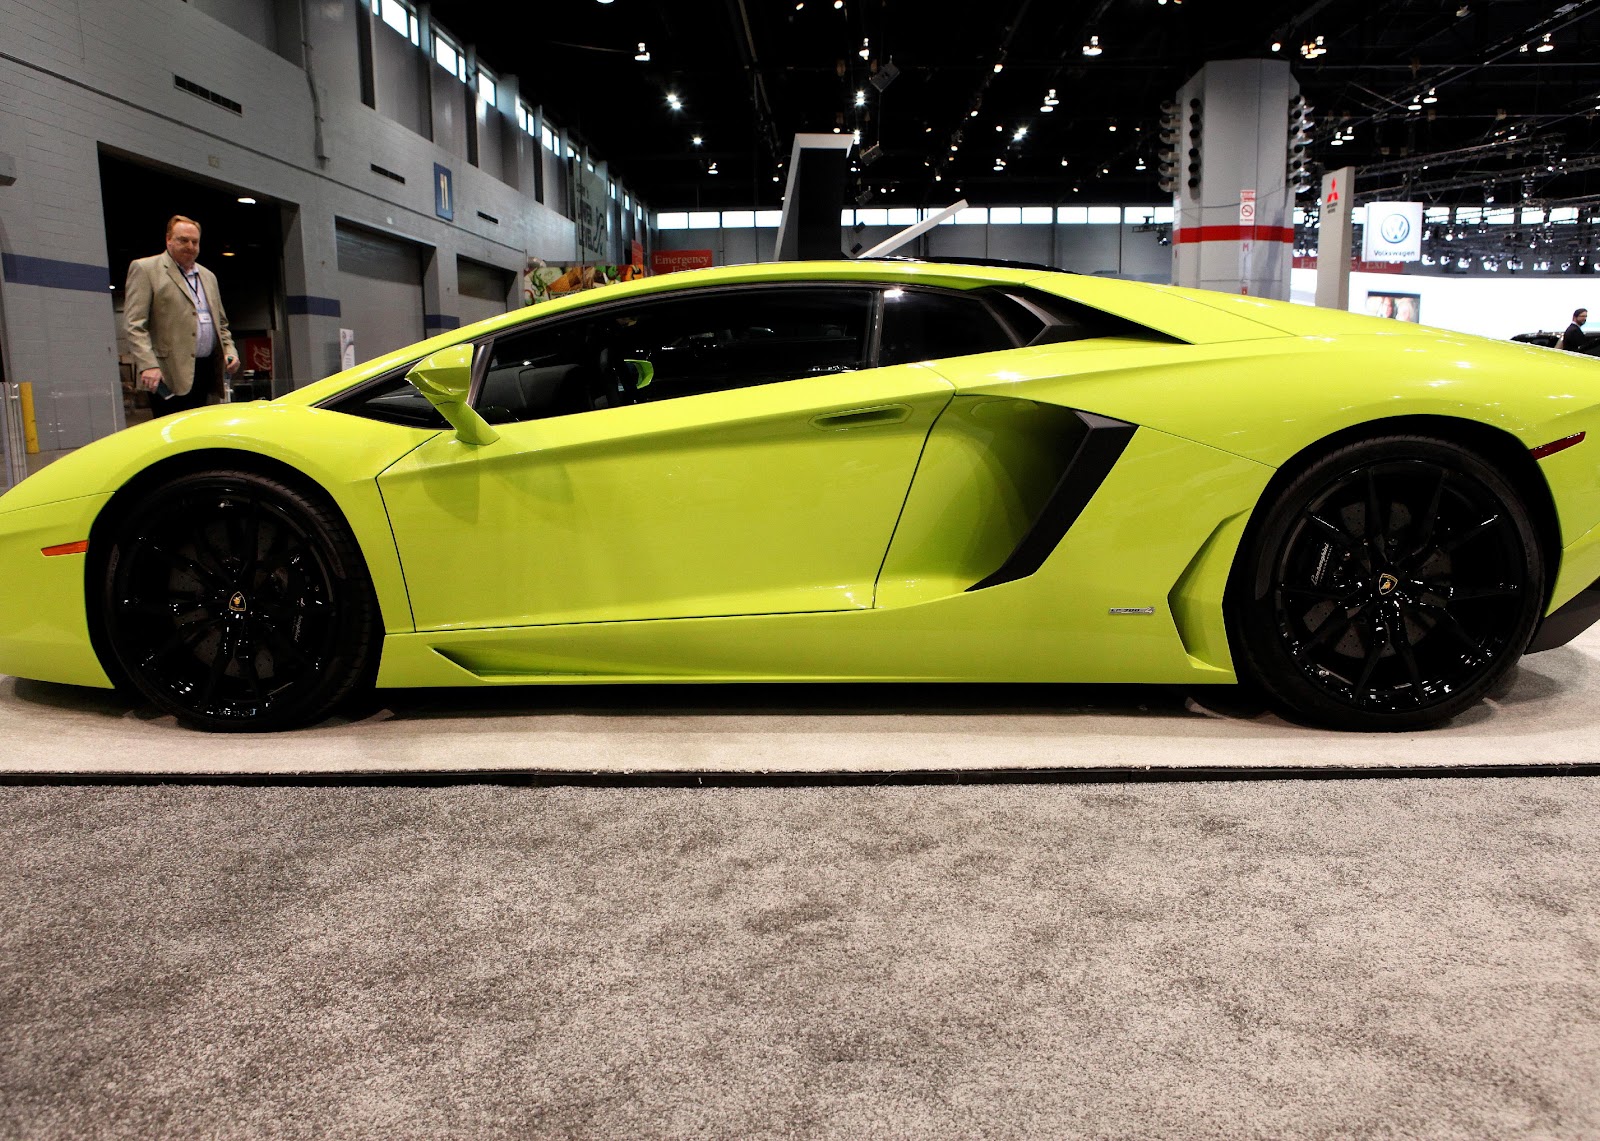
[402,17]
[667,348]
[910,216]
[1077,216]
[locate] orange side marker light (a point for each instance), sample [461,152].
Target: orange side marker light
[77,548]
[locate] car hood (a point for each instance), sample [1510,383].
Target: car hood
[331,447]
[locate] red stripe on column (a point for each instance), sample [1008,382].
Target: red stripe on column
[1233,234]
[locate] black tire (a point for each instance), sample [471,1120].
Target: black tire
[237,603]
[1387,586]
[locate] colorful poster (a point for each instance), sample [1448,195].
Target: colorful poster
[542,281]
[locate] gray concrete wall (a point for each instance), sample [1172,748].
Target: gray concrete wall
[82,75]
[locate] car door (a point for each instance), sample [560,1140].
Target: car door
[724,452]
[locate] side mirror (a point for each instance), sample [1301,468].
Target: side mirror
[445,379]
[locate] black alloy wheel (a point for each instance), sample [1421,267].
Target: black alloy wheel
[1388,587]
[237,603]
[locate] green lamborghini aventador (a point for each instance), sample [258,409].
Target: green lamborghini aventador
[855,471]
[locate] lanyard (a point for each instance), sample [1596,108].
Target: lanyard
[194,285]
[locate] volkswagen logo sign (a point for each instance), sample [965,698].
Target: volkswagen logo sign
[1394,229]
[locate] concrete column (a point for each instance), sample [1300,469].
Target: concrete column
[310,345]
[441,298]
[1234,229]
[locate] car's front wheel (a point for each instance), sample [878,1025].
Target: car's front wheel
[1387,586]
[236,602]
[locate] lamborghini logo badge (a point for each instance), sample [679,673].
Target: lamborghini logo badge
[1387,582]
[237,603]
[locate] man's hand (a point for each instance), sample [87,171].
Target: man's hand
[231,363]
[149,379]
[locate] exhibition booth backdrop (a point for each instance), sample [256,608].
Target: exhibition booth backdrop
[1498,306]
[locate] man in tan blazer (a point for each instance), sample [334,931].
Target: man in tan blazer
[176,326]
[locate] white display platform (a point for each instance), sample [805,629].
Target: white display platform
[1546,715]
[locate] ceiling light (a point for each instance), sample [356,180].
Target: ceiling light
[1112,126]
[1140,164]
[643,54]
[999,67]
[697,140]
[246,200]
[866,48]
[1277,45]
[1047,107]
[861,98]
[1092,48]
[1430,97]
[837,4]
[674,102]
[1545,45]
[1020,133]
[1413,105]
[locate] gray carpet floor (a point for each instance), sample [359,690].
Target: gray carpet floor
[1395,958]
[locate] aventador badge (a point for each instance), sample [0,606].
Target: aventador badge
[237,603]
[1132,610]
[1387,582]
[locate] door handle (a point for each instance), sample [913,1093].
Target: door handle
[862,417]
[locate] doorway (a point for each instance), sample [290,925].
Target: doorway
[241,241]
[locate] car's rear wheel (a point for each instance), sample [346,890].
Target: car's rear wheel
[1388,586]
[236,602]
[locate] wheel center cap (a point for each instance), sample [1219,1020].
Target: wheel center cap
[237,602]
[1386,583]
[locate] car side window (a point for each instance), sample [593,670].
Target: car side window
[553,369]
[683,346]
[922,325]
